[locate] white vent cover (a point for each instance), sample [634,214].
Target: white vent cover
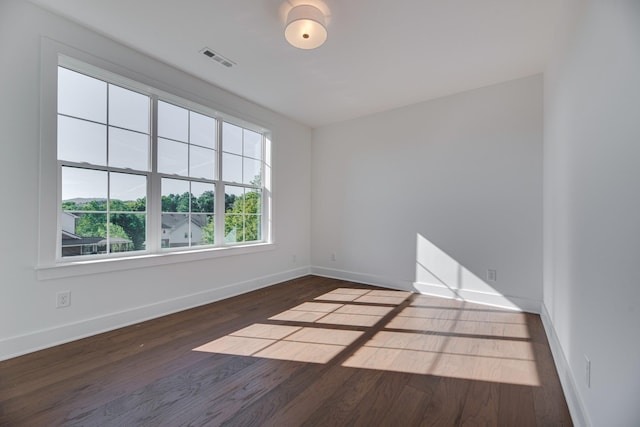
[210,53]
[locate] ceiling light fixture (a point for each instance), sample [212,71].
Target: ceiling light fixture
[306,27]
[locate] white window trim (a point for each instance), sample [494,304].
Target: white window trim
[49,265]
[105,265]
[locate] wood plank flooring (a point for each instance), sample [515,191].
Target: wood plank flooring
[308,352]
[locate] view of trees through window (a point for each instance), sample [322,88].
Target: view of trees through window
[126,229]
[105,151]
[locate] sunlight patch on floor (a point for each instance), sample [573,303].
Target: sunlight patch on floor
[365,296]
[240,346]
[471,367]
[460,318]
[342,294]
[301,344]
[347,314]
[428,335]
[481,359]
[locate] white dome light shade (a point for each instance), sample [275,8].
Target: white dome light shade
[305,27]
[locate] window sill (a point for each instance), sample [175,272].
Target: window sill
[85,267]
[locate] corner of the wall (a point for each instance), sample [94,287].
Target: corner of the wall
[367,279]
[491,299]
[494,299]
[574,401]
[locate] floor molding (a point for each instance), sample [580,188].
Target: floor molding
[486,298]
[574,402]
[492,299]
[45,338]
[366,279]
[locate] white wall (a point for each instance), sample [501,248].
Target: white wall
[451,186]
[592,209]
[28,317]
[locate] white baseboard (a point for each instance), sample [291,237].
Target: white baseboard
[367,279]
[486,298]
[574,402]
[27,343]
[492,299]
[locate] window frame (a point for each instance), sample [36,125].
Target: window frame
[50,263]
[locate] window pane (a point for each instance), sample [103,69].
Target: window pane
[175,195]
[173,122]
[252,229]
[127,232]
[202,130]
[202,162]
[92,225]
[175,230]
[231,168]
[128,150]
[252,144]
[128,193]
[231,138]
[173,157]
[208,233]
[84,189]
[233,199]
[202,197]
[253,202]
[252,171]
[201,229]
[128,109]
[81,96]
[233,228]
[81,141]
[82,233]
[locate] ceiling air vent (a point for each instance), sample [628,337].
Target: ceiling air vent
[217,57]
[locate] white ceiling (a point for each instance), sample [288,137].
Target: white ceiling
[380,54]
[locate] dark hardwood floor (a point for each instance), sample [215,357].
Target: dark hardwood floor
[311,351]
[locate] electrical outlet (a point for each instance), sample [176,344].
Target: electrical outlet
[492,275]
[63,299]
[587,371]
[333,256]
[294,258]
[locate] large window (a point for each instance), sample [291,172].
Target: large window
[141,171]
